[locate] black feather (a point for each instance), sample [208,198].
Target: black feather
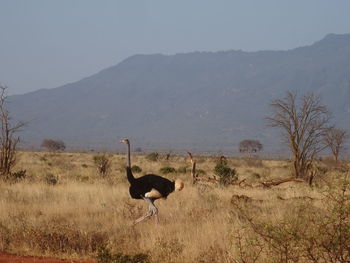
[142,185]
[129,175]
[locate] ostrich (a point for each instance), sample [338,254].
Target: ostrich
[149,187]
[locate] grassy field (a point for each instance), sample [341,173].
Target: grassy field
[64,208]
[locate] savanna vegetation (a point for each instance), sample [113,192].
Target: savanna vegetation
[66,207]
[247,210]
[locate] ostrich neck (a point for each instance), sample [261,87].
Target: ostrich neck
[129,159]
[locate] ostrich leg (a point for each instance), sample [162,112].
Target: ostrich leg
[152,210]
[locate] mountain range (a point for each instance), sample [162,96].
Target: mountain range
[199,101]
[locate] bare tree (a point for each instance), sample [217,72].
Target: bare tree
[8,140]
[335,139]
[250,146]
[304,125]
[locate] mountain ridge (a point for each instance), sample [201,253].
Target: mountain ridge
[197,100]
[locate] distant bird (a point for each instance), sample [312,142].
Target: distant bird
[149,187]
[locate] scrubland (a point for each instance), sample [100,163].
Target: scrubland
[64,208]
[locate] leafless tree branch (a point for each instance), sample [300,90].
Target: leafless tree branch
[303,126]
[8,140]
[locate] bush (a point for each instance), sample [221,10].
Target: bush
[50,179]
[305,233]
[103,164]
[182,170]
[167,170]
[136,169]
[201,172]
[152,157]
[226,174]
[19,175]
[256,176]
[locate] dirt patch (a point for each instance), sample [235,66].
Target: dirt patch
[10,258]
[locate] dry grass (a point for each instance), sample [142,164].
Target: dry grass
[83,212]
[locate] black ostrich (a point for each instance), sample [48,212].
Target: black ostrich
[149,187]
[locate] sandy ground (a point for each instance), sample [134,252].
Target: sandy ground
[9,258]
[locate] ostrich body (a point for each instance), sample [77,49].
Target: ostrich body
[149,187]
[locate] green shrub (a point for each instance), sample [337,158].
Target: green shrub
[152,157]
[167,170]
[225,173]
[136,169]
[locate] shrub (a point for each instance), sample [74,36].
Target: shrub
[19,175]
[182,170]
[103,164]
[167,170]
[152,156]
[201,172]
[225,173]
[305,233]
[256,176]
[136,169]
[50,179]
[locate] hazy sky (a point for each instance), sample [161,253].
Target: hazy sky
[46,43]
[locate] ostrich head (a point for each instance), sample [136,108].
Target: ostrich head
[126,141]
[179,185]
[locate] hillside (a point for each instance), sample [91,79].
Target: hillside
[197,101]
